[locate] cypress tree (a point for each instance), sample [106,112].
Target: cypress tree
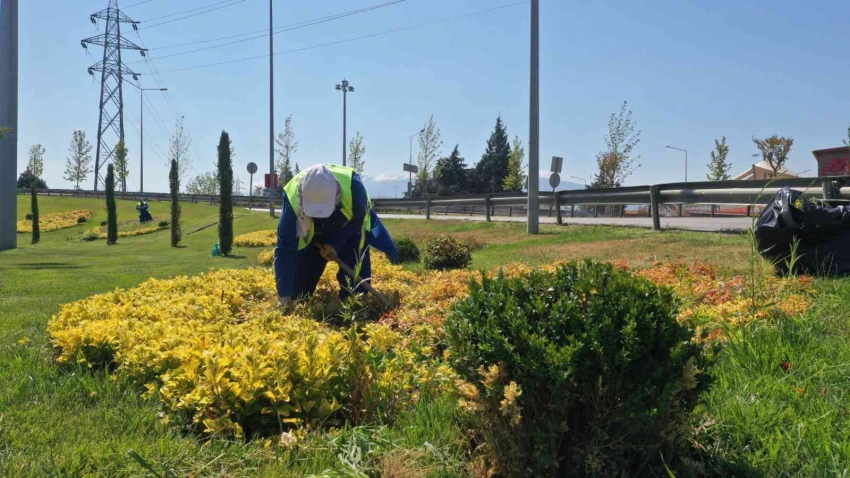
[225,211]
[174,181]
[111,209]
[491,171]
[36,232]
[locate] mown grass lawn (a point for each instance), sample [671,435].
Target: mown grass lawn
[779,406]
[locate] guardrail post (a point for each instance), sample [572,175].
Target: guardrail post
[596,210]
[681,207]
[510,211]
[447,211]
[655,196]
[572,210]
[428,208]
[829,190]
[749,211]
[559,214]
[622,210]
[487,207]
[713,208]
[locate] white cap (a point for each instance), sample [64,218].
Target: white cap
[319,191]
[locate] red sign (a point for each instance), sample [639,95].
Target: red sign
[276,181]
[833,162]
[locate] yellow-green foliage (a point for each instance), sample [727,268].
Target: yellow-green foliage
[222,359]
[266,258]
[256,239]
[54,221]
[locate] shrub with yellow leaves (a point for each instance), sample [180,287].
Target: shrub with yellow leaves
[256,239]
[56,220]
[266,258]
[222,360]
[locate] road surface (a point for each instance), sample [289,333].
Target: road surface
[708,224]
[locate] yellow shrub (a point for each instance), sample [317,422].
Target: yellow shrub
[256,239]
[266,258]
[54,221]
[219,355]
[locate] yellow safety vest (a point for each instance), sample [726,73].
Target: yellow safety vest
[344,175]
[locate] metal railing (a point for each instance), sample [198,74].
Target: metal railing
[749,194]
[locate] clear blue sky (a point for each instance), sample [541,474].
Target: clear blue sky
[691,71]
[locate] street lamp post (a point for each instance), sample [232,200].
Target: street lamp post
[345,88]
[271,109]
[686,159]
[580,179]
[410,162]
[534,123]
[142,135]
[9,119]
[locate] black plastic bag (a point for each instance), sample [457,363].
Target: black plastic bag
[820,233]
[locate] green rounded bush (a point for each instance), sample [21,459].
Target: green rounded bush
[408,251]
[583,371]
[90,237]
[445,252]
[29,217]
[163,224]
[102,223]
[82,220]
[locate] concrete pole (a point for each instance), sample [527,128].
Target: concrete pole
[142,142]
[534,123]
[9,119]
[271,109]
[344,122]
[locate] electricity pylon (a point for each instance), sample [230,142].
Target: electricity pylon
[112,72]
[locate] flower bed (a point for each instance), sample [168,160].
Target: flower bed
[222,360]
[55,221]
[256,239]
[129,229]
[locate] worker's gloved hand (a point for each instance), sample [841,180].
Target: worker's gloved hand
[328,252]
[286,305]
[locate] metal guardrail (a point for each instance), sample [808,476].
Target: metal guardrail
[742,193]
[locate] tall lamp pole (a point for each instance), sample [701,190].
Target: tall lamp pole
[142,135]
[534,123]
[686,159]
[345,88]
[8,119]
[271,109]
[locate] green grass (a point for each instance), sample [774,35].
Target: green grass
[65,422]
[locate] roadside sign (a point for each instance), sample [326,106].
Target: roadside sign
[554,180]
[557,164]
[276,181]
[252,168]
[411,168]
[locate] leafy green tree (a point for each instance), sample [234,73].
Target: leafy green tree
[174,184]
[35,162]
[774,150]
[515,180]
[27,179]
[718,168]
[178,150]
[36,231]
[78,164]
[111,208]
[356,151]
[225,210]
[450,174]
[297,169]
[204,184]
[616,164]
[491,171]
[846,141]
[287,147]
[429,151]
[122,165]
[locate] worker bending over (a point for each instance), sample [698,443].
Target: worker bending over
[326,215]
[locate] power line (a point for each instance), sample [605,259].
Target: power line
[277,30]
[373,35]
[136,4]
[229,4]
[283,28]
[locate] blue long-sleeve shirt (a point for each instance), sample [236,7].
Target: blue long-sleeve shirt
[329,231]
